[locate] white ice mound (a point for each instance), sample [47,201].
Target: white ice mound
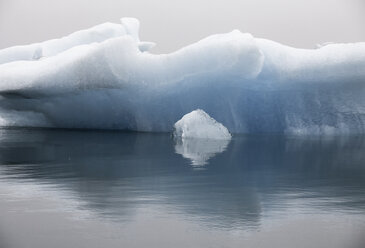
[101,78]
[198,124]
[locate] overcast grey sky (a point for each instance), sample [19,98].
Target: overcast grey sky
[176,23]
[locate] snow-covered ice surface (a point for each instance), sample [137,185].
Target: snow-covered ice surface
[97,34]
[105,78]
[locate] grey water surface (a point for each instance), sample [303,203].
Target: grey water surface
[61,188]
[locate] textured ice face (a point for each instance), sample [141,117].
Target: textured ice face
[199,125]
[105,79]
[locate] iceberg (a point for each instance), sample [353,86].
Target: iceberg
[106,78]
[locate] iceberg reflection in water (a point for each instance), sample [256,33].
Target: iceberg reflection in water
[249,184]
[199,151]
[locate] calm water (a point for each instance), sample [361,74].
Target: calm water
[112,189]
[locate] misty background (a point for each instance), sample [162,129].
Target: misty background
[176,23]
